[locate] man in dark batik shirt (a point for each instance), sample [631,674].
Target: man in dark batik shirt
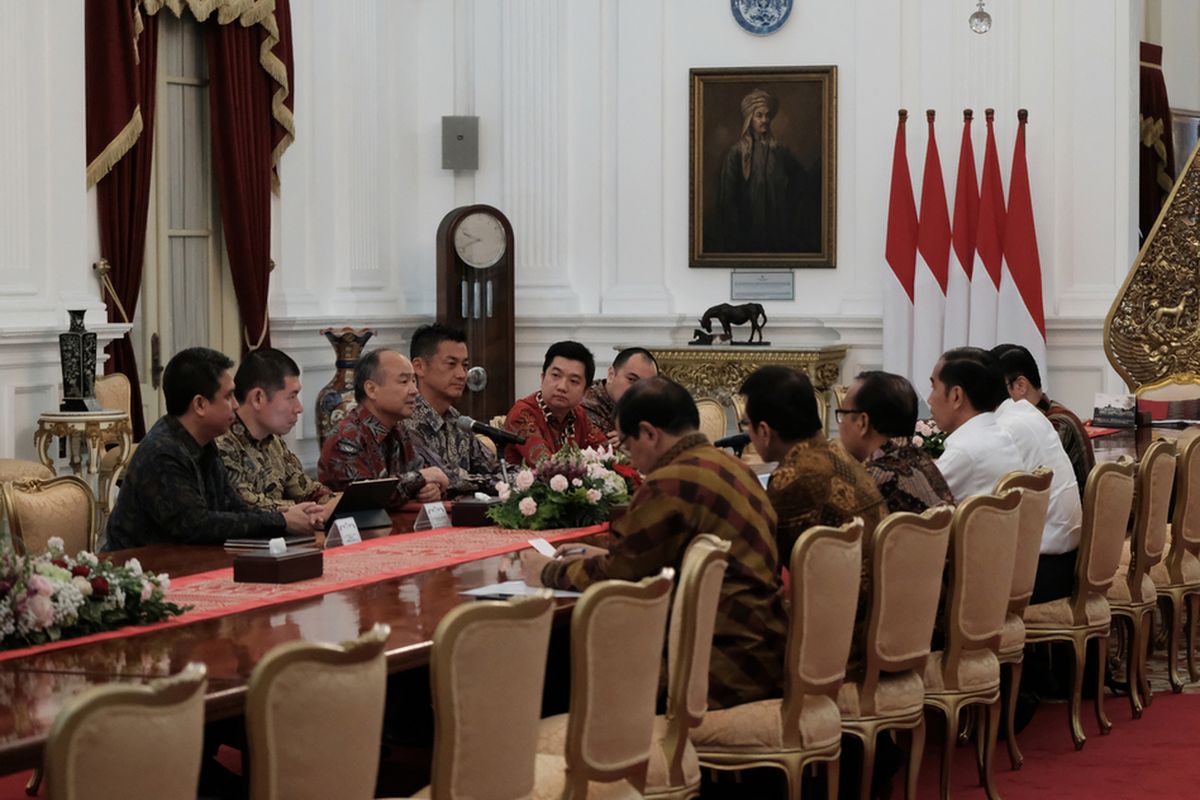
[876,425]
[176,489]
[369,443]
[600,400]
[439,357]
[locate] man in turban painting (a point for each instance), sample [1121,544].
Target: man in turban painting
[767,201]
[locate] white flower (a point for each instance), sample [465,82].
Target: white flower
[593,496]
[85,557]
[147,590]
[559,483]
[504,495]
[54,543]
[502,488]
[528,506]
[614,485]
[577,482]
[164,582]
[597,471]
[83,585]
[134,566]
[523,480]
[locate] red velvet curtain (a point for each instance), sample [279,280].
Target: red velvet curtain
[1156,153]
[119,89]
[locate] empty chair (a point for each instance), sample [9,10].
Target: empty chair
[1085,615]
[983,549]
[617,633]
[122,740]
[17,469]
[907,554]
[1177,577]
[40,509]
[804,726]
[1035,499]
[314,719]
[1133,596]
[113,393]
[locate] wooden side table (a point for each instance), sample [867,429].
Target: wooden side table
[88,431]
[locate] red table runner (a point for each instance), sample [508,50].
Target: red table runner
[215,594]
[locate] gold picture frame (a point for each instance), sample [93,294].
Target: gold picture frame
[763,167]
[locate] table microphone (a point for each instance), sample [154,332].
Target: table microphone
[497,435]
[736,442]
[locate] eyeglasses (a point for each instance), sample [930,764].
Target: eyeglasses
[840,413]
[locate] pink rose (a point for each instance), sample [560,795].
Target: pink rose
[42,609]
[593,496]
[918,441]
[147,590]
[41,585]
[577,482]
[523,480]
[528,506]
[559,483]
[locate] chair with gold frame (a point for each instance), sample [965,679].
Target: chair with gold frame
[1086,615]
[113,393]
[1035,499]
[617,634]
[1177,577]
[122,740]
[804,727]
[40,509]
[314,719]
[18,469]
[907,555]
[712,418]
[966,672]
[486,670]
[1133,596]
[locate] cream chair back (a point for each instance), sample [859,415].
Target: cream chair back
[1106,505]
[617,634]
[1035,499]
[121,740]
[1185,524]
[693,619]
[40,509]
[487,668]
[17,469]
[1155,479]
[314,719]
[712,418]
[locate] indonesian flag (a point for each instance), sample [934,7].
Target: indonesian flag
[901,254]
[989,247]
[933,265]
[962,262]
[1022,318]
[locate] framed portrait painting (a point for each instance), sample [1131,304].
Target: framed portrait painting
[763,168]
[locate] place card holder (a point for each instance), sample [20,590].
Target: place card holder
[297,564]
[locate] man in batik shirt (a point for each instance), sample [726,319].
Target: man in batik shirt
[691,488]
[439,356]
[552,418]
[368,443]
[600,400]
[263,471]
[876,425]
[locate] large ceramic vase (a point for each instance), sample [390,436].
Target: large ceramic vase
[77,351]
[336,398]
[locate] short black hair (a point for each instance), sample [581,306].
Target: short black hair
[978,373]
[365,370]
[265,368]
[1015,362]
[191,372]
[784,399]
[889,401]
[572,351]
[661,402]
[629,352]
[425,339]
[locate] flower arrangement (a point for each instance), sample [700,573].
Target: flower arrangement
[53,596]
[570,489]
[929,437]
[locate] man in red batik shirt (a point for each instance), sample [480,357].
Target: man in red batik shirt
[552,417]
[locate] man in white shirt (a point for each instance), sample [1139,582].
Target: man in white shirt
[966,387]
[1040,446]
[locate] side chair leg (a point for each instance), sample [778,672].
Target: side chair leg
[1101,717]
[916,749]
[1079,651]
[868,765]
[948,745]
[832,769]
[1010,713]
[990,728]
[1146,623]
[1173,619]
[34,785]
[1193,605]
[1131,676]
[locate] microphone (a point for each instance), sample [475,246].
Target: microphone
[497,435]
[736,442]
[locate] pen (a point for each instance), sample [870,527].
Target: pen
[574,551]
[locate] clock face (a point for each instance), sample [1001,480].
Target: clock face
[479,240]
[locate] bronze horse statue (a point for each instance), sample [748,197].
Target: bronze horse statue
[736,315]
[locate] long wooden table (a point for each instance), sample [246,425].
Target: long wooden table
[34,688]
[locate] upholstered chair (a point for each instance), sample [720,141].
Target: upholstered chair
[17,469]
[1177,577]
[908,555]
[1086,615]
[113,393]
[122,740]
[314,719]
[1035,499]
[712,418]
[617,634]
[40,509]
[983,550]
[804,726]
[1133,596]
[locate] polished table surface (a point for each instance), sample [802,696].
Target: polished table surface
[33,688]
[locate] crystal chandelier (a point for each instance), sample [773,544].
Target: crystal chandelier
[980,21]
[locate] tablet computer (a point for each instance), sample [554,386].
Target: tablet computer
[367,502]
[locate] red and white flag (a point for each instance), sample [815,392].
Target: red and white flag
[933,265]
[901,253]
[962,261]
[989,247]
[1022,317]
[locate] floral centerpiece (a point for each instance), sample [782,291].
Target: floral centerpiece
[570,489]
[53,596]
[929,437]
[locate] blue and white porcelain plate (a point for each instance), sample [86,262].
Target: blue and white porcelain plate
[761,17]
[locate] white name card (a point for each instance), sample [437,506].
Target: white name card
[347,530]
[433,515]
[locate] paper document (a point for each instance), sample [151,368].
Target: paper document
[514,589]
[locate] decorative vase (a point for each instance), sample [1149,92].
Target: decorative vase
[77,352]
[336,398]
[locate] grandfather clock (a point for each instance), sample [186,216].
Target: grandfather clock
[475,293]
